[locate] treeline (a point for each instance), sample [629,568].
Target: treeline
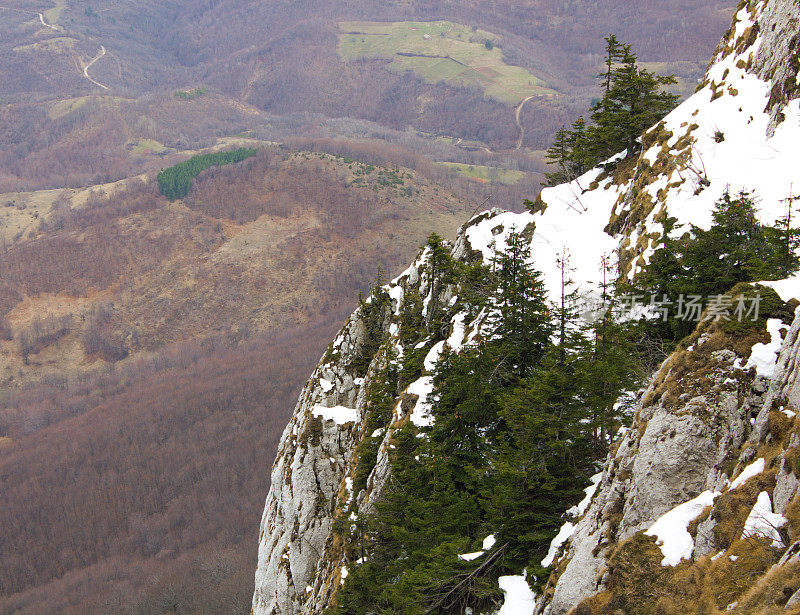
[176,181]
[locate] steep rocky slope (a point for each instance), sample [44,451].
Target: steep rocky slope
[718,405]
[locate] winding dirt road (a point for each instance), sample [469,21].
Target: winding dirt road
[519,124]
[50,26]
[89,65]
[47,25]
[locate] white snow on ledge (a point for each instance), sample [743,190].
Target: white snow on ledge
[421,414]
[786,289]
[488,543]
[671,531]
[763,523]
[564,534]
[338,414]
[578,510]
[754,469]
[764,356]
[520,599]
[491,234]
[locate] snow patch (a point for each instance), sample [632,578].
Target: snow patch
[420,415]
[325,385]
[763,523]
[671,532]
[338,414]
[578,510]
[520,599]
[787,289]
[754,469]
[491,234]
[433,356]
[564,534]
[765,356]
[488,543]
[456,339]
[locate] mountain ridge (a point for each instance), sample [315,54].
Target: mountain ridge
[740,128]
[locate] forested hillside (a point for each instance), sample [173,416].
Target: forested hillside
[146,345]
[256,61]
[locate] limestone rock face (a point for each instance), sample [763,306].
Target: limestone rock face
[675,450]
[309,467]
[785,388]
[777,59]
[301,563]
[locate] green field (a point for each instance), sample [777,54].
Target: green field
[442,51]
[485,174]
[140,147]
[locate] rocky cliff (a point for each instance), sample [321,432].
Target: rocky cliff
[301,562]
[713,434]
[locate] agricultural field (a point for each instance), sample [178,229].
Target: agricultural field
[485,174]
[442,51]
[142,147]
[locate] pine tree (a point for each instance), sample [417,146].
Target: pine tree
[704,263]
[614,53]
[633,102]
[559,154]
[566,312]
[568,154]
[541,461]
[465,407]
[522,322]
[737,248]
[441,272]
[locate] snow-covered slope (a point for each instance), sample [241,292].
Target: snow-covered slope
[740,131]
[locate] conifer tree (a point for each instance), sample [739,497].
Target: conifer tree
[633,103]
[559,154]
[737,248]
[441,272]
[568,153]
[542,457]
[566,312]
[613,55]
[522,322]
[633,100]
